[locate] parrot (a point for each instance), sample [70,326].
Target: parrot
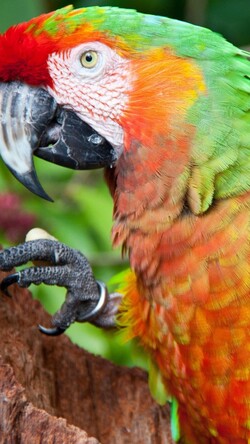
[163,106]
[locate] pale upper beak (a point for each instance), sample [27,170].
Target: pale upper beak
[31,122]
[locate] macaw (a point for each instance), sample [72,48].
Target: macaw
[167,105]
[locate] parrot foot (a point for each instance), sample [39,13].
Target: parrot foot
[86,298]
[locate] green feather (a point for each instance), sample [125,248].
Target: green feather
[221,150]
[174,421]
[157,389]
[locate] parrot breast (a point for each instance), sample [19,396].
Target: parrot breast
[189,304]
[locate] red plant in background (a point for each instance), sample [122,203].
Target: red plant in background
[14,221]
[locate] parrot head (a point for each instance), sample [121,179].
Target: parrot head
[80,87]
[32,120]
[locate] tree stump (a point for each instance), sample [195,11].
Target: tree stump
[51,391]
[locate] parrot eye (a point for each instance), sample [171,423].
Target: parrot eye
[89,59]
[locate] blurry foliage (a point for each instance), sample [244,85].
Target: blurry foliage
[82,214]
[16,11]
[11,212]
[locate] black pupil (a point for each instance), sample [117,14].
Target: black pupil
[89,57]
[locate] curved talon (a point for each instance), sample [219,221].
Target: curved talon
[56,331]
[9,280]
[100,304]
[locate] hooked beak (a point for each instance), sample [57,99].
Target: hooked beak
[31,122]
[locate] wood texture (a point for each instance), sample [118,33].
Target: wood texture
[51,391]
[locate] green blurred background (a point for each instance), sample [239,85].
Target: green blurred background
[82,213]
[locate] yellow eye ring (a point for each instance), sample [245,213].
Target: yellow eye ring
[89,59]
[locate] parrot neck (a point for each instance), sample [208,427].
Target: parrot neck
[149,184]
[149,188]
[150,181]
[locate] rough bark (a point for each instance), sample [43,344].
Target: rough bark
[51,391]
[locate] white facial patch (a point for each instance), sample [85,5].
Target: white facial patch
[98,94]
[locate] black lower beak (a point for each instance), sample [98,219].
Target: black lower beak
[72,143]
[31,122]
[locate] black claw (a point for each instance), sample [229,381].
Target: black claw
[56,331]
[6,282]
[89,316]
